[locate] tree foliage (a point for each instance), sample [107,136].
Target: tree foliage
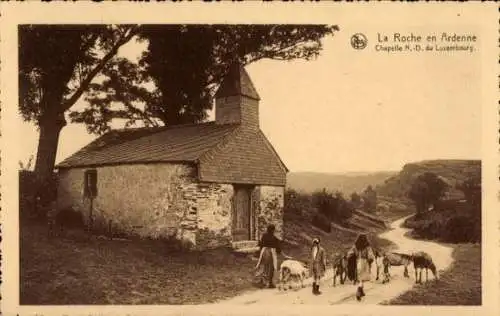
[185,64]
[471,189]
[333,206]
[427,190]
[57,63]
[369,199]
[356,200]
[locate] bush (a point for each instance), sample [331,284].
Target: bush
[298,204]
[29,189]
[335,208]
[462,229]
[322,222]
[70,218]
[454,224]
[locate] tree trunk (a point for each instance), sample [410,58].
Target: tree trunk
[50,130]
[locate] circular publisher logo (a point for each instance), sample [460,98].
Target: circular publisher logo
[359,41]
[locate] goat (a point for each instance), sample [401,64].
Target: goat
[340,268]
[400,259]
[292,269]
[422,260]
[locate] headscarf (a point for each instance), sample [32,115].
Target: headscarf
[361,242]
[270,229]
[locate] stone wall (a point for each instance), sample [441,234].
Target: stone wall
[212,201]
[152,200]
[271,209]
[166,201]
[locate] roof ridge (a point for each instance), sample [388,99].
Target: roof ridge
[273,150]
[124,129]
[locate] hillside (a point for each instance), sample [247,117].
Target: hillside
[454,171]
[345,182]
[299,232]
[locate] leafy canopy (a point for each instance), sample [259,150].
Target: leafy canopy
[179,72]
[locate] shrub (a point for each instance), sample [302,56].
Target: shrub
[322,222]
[335,208]
[455,224]
[298,204]
[462,229]
[70,218]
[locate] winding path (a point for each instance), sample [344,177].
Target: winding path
[376,292]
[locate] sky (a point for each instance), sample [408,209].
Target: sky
[351,110]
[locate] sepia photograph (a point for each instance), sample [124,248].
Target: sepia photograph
[285,163]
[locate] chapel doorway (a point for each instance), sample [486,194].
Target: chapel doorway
[243,219]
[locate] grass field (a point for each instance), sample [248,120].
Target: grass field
[76,270]
[460,285]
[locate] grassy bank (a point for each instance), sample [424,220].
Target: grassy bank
[460,285]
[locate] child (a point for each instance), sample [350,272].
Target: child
[317,265]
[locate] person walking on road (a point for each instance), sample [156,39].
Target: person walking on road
[364,255]
[317,264]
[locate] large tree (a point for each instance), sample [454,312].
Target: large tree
[427,189]
[185,64]
[56,66]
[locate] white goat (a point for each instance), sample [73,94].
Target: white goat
[292,269]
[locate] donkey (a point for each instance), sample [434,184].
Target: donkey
[422,260]
[400,259]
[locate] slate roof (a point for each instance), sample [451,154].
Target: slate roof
[165,144]
[246,157]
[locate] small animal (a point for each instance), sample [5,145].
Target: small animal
[292,269]
[340,268]
[422,260]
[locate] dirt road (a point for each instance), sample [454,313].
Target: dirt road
[376,292]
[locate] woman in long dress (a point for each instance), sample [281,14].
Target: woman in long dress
[270,247]
[364,255]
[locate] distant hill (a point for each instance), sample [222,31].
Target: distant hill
[454,171]
[345,182]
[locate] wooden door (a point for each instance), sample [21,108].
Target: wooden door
[242,213]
